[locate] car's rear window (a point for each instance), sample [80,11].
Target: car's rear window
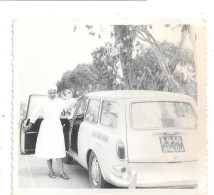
[159,115]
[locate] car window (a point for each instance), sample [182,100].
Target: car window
[92,111]
[109,114]
[35,103]
[156,115]
[83,106]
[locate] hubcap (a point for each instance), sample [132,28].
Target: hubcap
[95,171]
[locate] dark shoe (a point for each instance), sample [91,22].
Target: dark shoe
[52,175]
[64,176]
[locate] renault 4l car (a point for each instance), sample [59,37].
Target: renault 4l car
[129,138]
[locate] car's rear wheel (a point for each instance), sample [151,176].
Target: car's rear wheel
[95,176]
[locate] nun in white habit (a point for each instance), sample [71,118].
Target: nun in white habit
[50,142]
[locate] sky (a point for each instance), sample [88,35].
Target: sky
[43,49]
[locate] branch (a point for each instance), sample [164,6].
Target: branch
[150,37]
[138,30]
[160,50]
[142,34]
[143,39]
[159,54]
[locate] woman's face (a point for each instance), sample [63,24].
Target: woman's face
[52,93]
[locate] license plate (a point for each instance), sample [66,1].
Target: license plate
[172,144]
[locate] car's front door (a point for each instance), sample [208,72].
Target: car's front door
[77,120]
[28,139]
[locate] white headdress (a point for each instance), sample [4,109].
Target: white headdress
[52,87]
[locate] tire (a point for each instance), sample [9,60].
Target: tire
[68,159]
[95,176]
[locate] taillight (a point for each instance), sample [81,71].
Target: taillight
[120,149]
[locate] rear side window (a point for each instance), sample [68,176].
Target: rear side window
[109,114]
[92,111]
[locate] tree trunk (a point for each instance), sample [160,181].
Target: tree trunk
[123,60]
[163,64]
[184,33]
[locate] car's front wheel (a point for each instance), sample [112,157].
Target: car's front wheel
[95,176]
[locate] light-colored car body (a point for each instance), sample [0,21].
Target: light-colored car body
[135,150]
[144,165]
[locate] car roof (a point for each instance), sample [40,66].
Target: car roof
[128,94]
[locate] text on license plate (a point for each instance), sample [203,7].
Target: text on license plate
[171,144]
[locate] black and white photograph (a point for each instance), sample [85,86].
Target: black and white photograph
[109,105]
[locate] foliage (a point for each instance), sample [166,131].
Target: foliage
[100,75]
[145,64]
[81,79]
[104,66]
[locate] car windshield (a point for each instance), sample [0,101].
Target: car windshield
[159,115]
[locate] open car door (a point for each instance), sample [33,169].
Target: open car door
[28,139]
[75,123]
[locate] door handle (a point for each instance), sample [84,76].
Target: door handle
[170,133]
[31,132]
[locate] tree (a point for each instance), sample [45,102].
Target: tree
[130,33]
[145,62]
[145,66]
[104,66]
[81,79]
[100,75]
[123,37]
[141,32]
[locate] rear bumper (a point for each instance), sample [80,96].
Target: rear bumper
[169,175]
[168,184]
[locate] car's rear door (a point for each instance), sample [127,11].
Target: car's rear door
[28,139]
[161,131]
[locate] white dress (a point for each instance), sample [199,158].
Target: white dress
[50,141]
